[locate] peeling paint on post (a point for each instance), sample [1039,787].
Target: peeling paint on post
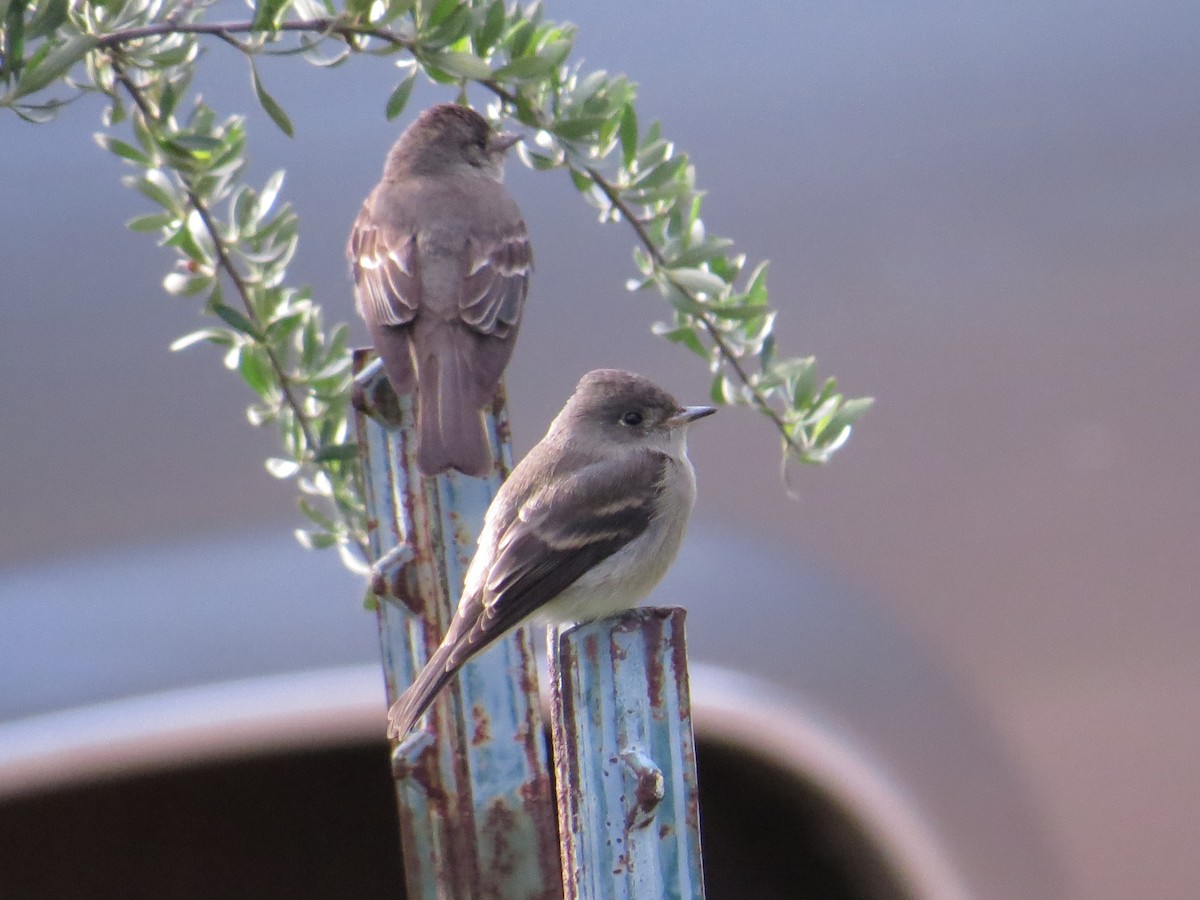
[625,759]
[476,806]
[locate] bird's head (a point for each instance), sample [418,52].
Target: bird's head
[622,408]
[447,138]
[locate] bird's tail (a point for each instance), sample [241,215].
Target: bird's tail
[449,418]
[411,705]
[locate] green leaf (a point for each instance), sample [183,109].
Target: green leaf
[660,173]
[316,514]
[518,42]
[493,26]
[315,540]
[757,292]
[218,336]
[198,146]
[342,452]
[578,128]
[399,98]
[557,51]
[12,54]
[629,135]
[849,413]
[739,313]
[270,193]
[464,65]
[235,319]
[120,148]
[582,182]
[703,252]
[269,104]
[46,20]
[448,31]
[801,375]
[256,371]
[697,280]
[150,223]
[54,65]
[526,68]
[268,14]
[441,12]
[684,335]
[719,391]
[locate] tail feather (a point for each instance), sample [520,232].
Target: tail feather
[411,705]
[449,417]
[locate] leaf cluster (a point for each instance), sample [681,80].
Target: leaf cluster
[233,241]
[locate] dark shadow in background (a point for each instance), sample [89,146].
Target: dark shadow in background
[323,824]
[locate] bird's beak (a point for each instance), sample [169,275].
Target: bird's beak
[690,414]
[501,141]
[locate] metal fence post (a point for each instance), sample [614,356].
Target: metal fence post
[625,759]
[473,789]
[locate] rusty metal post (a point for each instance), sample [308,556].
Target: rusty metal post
[625,759]
[476,805]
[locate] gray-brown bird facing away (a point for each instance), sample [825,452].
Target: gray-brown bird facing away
[441,262]
[587,524]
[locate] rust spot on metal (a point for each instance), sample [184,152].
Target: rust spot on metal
[464,539]
[528,674]
[498,825]
[379,584]
[482,731]
[422,770]
[654,633]
[591,649]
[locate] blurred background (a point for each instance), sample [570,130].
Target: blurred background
[986,216]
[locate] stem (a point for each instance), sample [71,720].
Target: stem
[731,359]
[226,264]
[726,352]
[327,26]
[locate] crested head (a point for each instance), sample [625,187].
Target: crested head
[625,407]
[447,138]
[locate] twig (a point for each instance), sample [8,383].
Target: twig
[225,263]
[731,359]
[326,26]
[614,197]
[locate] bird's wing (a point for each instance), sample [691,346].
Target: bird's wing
[386,272]
[561,531]
[496,279]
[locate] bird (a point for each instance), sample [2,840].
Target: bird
[586,525]
[441,258]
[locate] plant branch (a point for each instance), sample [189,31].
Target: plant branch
[225,263]
[345,29]
[223,30]
[613,194]
[731,358]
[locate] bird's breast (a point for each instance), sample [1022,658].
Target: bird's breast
[626,578]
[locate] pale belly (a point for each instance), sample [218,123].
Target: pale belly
[627,577]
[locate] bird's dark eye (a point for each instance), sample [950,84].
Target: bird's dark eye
[632,418]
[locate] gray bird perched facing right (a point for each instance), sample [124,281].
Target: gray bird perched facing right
[441,262]
[586,525]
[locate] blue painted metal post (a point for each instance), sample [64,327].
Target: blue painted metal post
[476,806]
[625,759]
